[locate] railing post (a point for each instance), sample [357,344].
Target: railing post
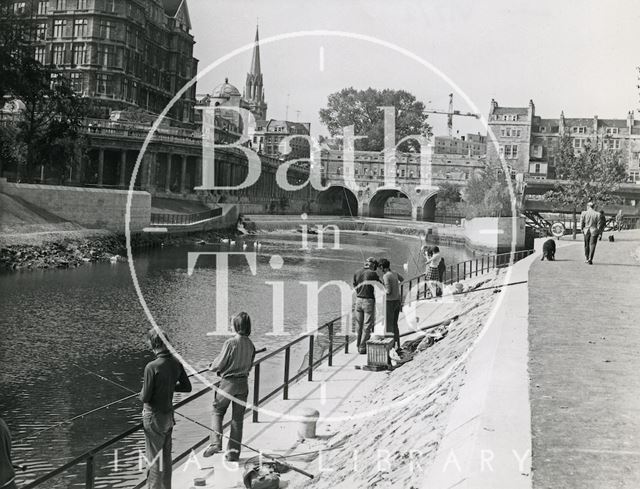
[89,474]
[476,267]
[287,360]
[330,361]
[482,270]
[346,343]
[458,271]
[256,392]
[310,374]
[464,270]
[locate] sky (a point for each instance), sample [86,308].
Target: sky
[576,56]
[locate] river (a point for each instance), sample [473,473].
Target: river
[58,325]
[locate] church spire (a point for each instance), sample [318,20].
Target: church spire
[254,90]
[255,59]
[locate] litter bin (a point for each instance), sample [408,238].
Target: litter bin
[307,426]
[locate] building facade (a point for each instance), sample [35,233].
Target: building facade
[529,143]
[133,54]
[268,135]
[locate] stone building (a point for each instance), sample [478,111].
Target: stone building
[529,143]
[267,136]
[123,55]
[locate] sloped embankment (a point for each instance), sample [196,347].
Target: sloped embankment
[394,446]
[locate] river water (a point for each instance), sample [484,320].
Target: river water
[57,326]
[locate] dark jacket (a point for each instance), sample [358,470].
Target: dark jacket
[365,291]
[162,377]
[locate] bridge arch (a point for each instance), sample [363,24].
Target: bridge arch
[425,209]
[337,199]
[376,204]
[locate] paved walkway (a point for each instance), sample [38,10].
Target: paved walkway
[584,338]
[277,434]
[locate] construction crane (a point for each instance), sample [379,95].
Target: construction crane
[450,113]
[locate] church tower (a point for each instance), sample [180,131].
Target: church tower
[254,90]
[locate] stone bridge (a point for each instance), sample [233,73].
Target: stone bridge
[369,200]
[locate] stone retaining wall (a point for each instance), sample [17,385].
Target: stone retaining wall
[94,208]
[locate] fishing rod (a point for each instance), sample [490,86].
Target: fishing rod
[248,447]
[100,408]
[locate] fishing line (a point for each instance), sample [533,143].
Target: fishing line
[95,410]
[248,447]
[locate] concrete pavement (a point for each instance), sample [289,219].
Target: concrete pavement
[584,365]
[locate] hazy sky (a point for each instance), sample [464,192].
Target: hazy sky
[579,56]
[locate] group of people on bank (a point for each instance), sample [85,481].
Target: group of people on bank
[165,375]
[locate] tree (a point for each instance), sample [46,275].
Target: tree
[48,127]
[449,198]
[361,108]
[592,174]
[488,195]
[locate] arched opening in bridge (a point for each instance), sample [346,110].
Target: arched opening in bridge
[337,200]
[390,203]
[429,209]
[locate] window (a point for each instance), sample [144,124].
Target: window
[105,29]
[39,54]
[61,4]
[82,5]
[109,5]
[80,28]
[79,54]
[58,54]
[103,82]
[42,8]
[41,31]
[578,143]
[537,168]
[612,143]
[106,56]
[579,129]
[402,173]
[612,130]
[19,8]
[543,128]
[77,82]
[58,28]
[634,176]
[510,151]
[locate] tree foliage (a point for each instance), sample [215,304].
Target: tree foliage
[593,173]
[449,198]
[488,195]
[361,108]
[47,129]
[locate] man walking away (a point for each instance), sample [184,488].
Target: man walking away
[590,225]
[365,311]
[233,364]
[162,377]
[619,220]
[391,281]
[7,474]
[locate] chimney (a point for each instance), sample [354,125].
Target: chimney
[630,121]
[595,124]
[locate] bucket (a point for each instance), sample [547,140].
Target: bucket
[307,426]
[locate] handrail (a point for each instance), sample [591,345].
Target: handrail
[492,262]
[167,219]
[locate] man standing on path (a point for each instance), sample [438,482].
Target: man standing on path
[391,281]
[590,225]
[162,377]
[619,220]
[7,474]
[233,364]
[365,311]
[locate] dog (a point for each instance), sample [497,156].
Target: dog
[549,250]
[611,238]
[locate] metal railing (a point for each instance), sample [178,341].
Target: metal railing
[168,219]
[461,271]
[332,344]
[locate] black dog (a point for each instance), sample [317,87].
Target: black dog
[549,250]
[611,238]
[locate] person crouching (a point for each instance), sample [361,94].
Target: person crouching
[233,364]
